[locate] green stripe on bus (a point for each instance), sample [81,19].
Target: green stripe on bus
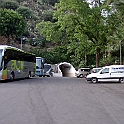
[22,65]
[17,65]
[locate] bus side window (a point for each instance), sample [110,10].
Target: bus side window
[1,66]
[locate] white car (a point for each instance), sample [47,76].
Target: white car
[112,73]
[48,71]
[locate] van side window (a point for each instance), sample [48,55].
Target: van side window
[105,70]
[118,70]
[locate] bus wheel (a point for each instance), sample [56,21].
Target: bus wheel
[12,76]
[29,75]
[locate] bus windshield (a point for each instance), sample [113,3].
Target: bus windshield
[39,63]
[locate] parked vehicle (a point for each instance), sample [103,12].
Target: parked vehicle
[16,63]
[95,70]
[48,71]
[40,66]
[82,72]
[112,73]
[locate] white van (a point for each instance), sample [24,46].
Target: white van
[112,73]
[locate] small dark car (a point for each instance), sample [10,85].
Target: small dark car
[48,71]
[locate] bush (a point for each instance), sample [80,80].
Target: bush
[109,60]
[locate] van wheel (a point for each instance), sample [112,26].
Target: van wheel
[94,80]
[121,80]
[11,76]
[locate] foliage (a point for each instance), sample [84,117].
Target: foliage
[53,56]
[9,4]
[47,15]
[51,31]
[20,1]
[39,42]
[58,54]
[51,2]
[118,32]
[109,60]
[80,23]
[11,23]
[25,12]
[84,30]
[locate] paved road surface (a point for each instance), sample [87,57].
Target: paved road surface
[61,100]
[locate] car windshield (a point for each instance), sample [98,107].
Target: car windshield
[97,70]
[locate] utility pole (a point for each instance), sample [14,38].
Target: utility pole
[21,43]
[22,39]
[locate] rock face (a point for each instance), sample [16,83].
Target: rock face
[3,40]
[66,69]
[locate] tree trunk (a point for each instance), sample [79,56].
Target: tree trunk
[85,59]
[97,57]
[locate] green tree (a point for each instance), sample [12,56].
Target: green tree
[11,23]
[19,1]
[47,15]
[79,21]
[26,12]
[56,55]
[51,2]
[9,4]
[116,38]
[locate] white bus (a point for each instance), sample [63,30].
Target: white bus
[43,69]
[16,63]
[40,66]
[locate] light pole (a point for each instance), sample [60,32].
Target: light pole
[22,39]
[21,43]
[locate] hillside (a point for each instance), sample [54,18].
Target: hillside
[35,11]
